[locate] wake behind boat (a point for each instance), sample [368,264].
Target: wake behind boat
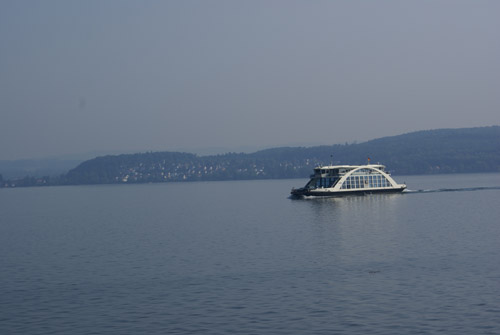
[340,180]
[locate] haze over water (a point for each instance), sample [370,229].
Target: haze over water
[121,76]
[241,257]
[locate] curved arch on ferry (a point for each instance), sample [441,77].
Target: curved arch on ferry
[384,174]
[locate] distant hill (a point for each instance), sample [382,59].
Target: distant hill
[14,169]
[424,152]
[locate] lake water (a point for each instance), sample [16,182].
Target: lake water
[242,258]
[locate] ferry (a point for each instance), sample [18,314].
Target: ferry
[341,180]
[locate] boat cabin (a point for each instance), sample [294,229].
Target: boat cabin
[370,176]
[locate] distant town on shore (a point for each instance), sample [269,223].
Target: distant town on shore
[465,150]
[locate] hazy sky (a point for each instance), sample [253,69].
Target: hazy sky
[105,75]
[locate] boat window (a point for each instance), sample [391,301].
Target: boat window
[312,183]
[385,182]
[333,182]
[376,180]
[326,182]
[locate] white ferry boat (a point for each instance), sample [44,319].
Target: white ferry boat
[340,180]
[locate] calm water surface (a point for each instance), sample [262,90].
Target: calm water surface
[241,257]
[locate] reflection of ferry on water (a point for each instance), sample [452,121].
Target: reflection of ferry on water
[339,180]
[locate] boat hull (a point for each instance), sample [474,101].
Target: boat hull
[312,193]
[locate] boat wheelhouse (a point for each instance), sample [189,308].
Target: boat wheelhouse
[339,180]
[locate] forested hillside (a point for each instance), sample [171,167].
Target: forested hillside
[424,152]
